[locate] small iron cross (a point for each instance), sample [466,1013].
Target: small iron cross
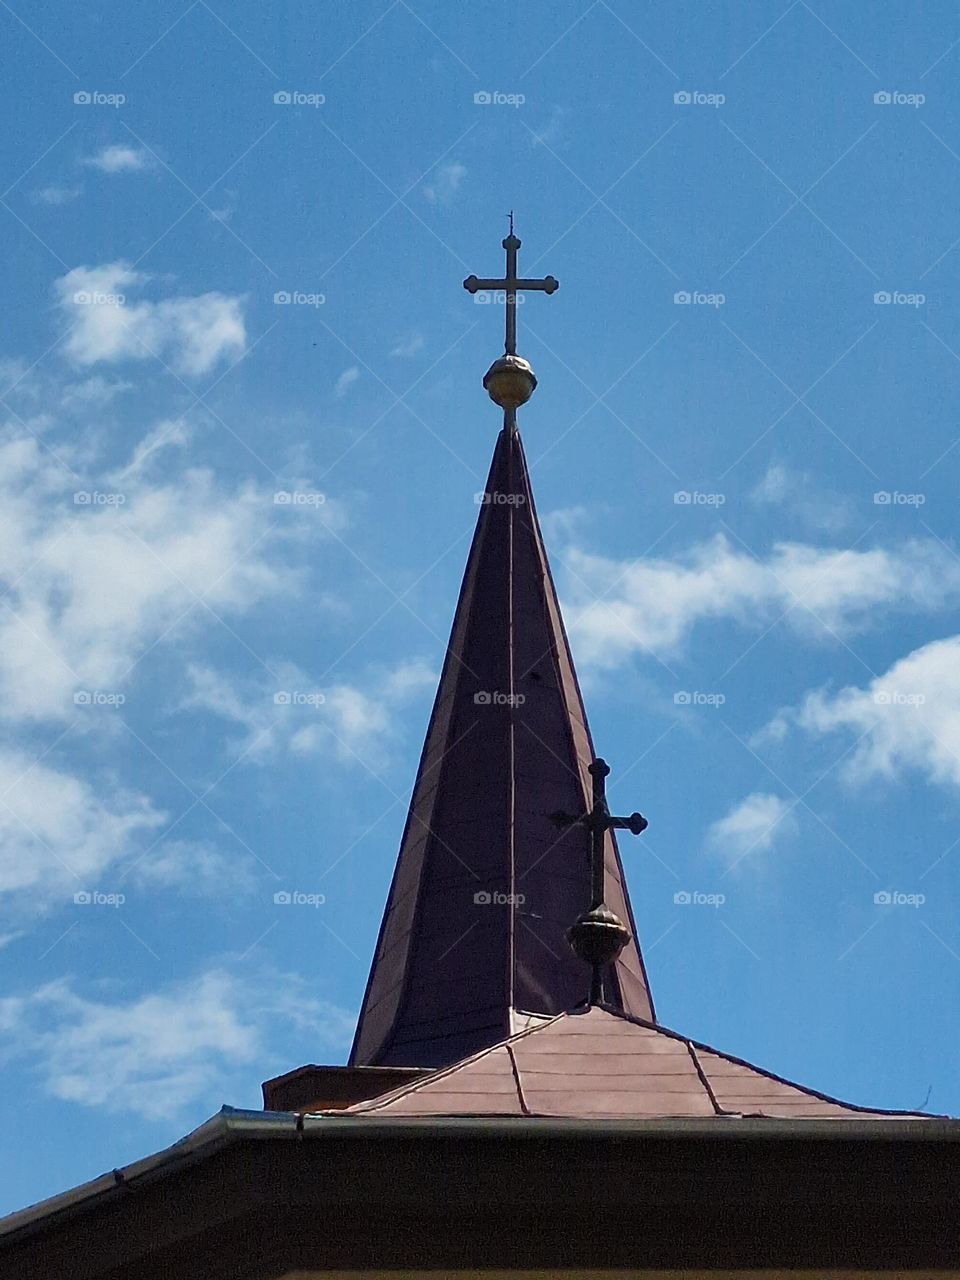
[598,820]
[512,284]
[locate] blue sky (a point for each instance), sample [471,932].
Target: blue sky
[749,498]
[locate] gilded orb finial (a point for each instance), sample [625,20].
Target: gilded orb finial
[510,382]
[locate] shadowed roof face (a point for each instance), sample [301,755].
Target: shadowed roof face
[598,1064]
[474,933]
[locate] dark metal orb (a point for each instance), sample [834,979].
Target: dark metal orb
[598,936]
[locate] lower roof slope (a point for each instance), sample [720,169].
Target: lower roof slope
[597,1063]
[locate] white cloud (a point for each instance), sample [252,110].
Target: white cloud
[119,158]
[190,333]
[346,380]
[57,836]
[90,586]
[907,718]
[408,346]
[353,724]
[55,195]
[804,496]
[168,434]
[195,868]
[94,392]
[446,183]
[619,608]
[752,826]
[156,1054]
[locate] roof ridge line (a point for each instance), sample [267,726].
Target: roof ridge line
[704,1081]
[771,1075]
[404,1089]
[516,1075]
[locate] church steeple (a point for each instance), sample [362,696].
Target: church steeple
[473,944]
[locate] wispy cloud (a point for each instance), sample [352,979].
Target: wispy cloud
[157,1053]
[193,333]
[352,722]
[346,380]
[752,826]
[55,195]
[408,346]
[906,719]
[446,183]
[619,608]
[119,158]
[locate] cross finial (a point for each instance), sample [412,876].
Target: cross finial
[599,936]
[510,381]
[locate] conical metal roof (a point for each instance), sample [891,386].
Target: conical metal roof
[473,942]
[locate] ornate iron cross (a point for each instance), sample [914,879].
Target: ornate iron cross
[599,936]
[512,284]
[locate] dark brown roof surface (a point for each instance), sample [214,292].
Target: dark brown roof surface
[507,745]
[598,1064]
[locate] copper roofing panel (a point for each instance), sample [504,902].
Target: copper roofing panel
[485,887]
[599,1064]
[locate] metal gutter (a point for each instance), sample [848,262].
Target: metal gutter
[234,1125]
